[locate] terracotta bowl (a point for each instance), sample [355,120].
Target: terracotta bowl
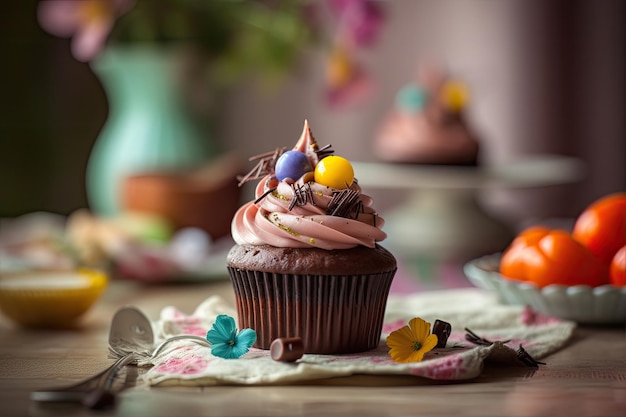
[206,197]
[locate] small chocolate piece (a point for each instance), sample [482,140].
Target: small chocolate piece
[442,329]
[526,359]
[286,349]
[470,336]
[325,151]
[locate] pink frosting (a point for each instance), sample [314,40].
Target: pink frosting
[432,135]
[408,137]
[269,219]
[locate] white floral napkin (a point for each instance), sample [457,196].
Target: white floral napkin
[187,363]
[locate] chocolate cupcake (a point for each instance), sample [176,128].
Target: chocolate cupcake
[306,261]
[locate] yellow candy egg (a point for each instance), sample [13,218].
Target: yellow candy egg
[454,95]
[335,172]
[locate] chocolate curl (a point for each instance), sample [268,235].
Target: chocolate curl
[325,151]
[345,203]
[265,166]
[470,336]
[302,194]
[526,359]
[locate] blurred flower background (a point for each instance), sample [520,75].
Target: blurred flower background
[236,37]
[164,67]
[545,78]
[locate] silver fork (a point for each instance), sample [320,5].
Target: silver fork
[103,396]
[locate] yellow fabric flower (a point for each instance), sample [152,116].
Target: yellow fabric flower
[410,343]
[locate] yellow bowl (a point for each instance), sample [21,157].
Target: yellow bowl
[50,298]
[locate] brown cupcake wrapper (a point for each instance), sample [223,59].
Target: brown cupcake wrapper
[331,313]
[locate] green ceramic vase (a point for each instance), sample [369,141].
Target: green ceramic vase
[148,126]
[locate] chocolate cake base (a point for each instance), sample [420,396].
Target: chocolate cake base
[332,313]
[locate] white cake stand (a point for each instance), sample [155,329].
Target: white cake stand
[443,219]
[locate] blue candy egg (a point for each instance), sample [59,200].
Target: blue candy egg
[292,164]
[411,98]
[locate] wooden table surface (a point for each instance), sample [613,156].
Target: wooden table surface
[587,378]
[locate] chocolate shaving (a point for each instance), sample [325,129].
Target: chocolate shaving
[265,194]
[302,194]
[345,203]
[526,359]
[265,166]
[477,340]
[324,152]
[522,355]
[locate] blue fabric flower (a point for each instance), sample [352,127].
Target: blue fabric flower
[226,342]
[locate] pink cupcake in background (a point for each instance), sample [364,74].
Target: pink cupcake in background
[427,124]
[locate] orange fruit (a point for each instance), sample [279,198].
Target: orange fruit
[514,259]
[543,257]
[601,227]
[617,270]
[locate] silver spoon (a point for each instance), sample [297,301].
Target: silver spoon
[131,331]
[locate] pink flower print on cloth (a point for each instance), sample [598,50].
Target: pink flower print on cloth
[186,365]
